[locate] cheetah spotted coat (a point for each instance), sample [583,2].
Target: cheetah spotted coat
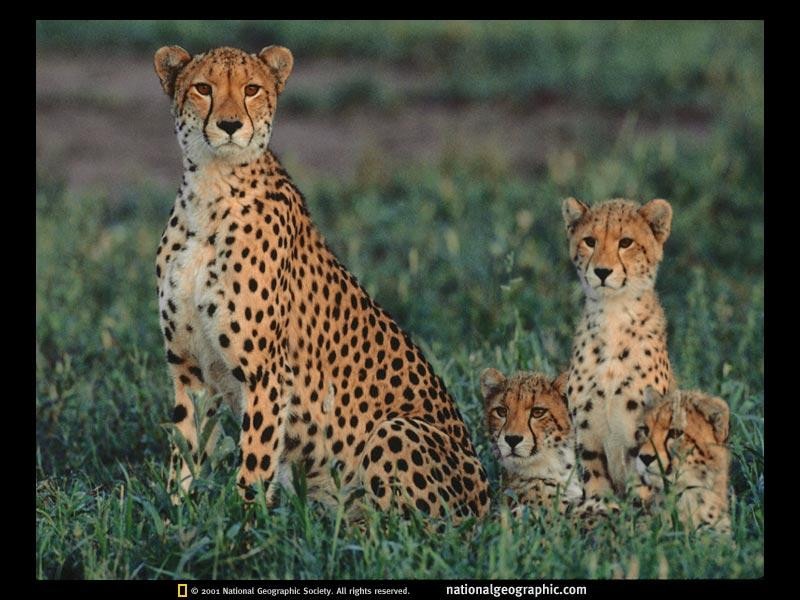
[256,309]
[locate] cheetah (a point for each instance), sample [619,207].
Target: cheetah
[681,437]
[257,311]
[532,437]
[620,346]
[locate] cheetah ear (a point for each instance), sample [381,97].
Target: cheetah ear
[560,383]
[658,214]
[280,62]
[715,410]
[572,210]
[492,383]
[168,62]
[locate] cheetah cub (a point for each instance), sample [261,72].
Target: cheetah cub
[620,345]
[681,438]
[532,437]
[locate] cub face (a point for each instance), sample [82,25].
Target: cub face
[527,418]
[223,100]
[680,436]
[616,246]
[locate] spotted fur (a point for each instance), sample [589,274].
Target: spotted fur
[620,346]
[256,308]
[682,449]
[532,437]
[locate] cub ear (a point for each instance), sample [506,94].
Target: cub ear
[280,62]
[658,214]
[560,383]
[168,62]
[572,210]
[492,383]
[715,410]
[651,397]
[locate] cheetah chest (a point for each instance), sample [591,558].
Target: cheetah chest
[621,355]
[188,286]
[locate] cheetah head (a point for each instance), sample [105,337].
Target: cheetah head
[527,419]
[223,100]
[617,245]
[681,437]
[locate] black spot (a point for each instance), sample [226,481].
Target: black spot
[178,413]
[173,358]
[377,486]
[266,435]
[197,373]
[395,445]
[238,373]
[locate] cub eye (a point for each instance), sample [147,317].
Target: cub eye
[202,88]
[589,241]
[674,433]
[251,89]
[501,412]
[538,412]
[625,242]
[642,433]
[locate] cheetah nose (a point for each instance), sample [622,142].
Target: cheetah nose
[229,126]
[647,459]
[513,440]
[602,273]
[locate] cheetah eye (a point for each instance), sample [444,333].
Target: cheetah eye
[203,88]
[625,242]
[538,412]
[501,412]
[589,241]
[251,89]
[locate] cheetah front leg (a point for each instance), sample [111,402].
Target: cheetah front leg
[597,484]
[593,464]
[266,394]
[187,377]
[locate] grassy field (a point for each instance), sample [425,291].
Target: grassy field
[470,257]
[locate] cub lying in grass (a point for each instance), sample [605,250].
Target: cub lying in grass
[682,449]
[532,437]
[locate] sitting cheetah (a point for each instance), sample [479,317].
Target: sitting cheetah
[257,309]
[681,437]
[532,436]
[620,346]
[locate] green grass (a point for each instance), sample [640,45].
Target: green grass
[471,259]
[450,252]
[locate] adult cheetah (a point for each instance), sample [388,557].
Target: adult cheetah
[257,309]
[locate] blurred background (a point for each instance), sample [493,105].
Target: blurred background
[434,157]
